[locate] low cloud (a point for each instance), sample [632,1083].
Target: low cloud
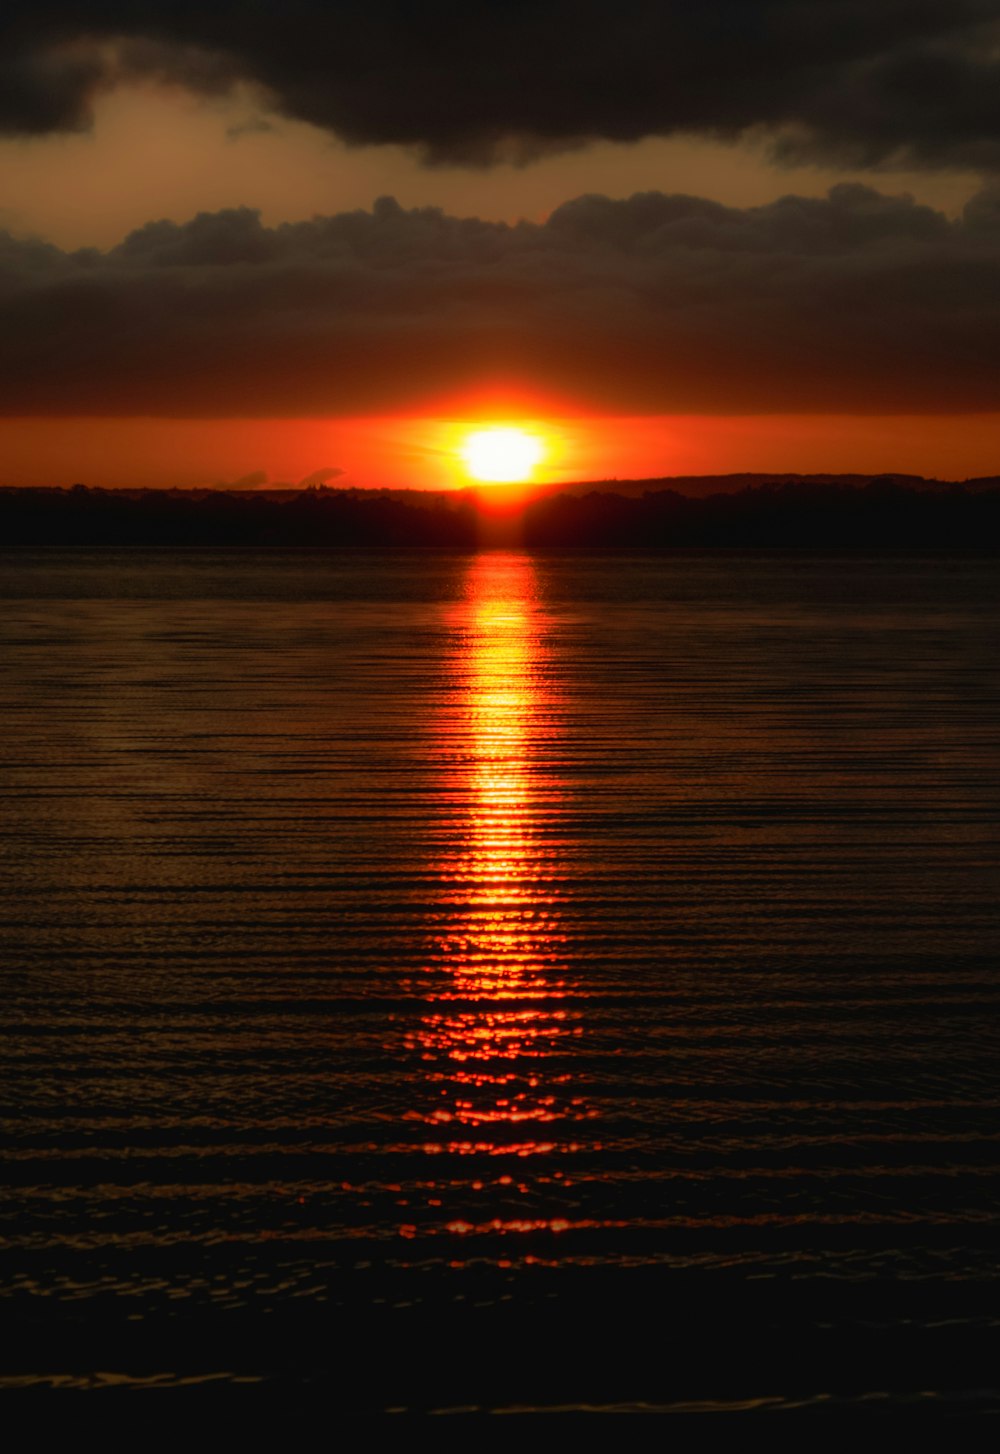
[854,302]
[321,477]
[904,81]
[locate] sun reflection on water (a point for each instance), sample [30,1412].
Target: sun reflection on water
[498,1025]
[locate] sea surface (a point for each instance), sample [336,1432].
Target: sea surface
[502,981]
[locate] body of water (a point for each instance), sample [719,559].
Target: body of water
[502,980]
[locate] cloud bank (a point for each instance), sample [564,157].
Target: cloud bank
[858,302]
[866,81]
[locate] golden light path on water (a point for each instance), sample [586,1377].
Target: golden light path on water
[495,1038]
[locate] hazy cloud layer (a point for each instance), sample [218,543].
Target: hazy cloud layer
[868,81]
[855,302]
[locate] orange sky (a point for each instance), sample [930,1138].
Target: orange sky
[426,452]
[157,151]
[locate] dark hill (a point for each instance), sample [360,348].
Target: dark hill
[814,512]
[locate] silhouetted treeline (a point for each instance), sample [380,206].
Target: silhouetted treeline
[881,514]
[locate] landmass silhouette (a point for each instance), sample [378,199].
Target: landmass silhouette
[713,512]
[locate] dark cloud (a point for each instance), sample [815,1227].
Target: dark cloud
[49,88]
[857,302]
[869,81]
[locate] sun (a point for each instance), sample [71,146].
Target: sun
[502,456]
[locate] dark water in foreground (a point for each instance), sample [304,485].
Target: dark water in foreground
[502,981]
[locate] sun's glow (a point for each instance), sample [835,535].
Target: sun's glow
[503,455]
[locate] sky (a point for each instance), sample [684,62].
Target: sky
[248,245]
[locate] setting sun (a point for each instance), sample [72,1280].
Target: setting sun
[502,456]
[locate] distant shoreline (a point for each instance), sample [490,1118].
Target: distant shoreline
[800,513]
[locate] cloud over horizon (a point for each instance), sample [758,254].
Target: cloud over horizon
[866,82]
[857,302]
